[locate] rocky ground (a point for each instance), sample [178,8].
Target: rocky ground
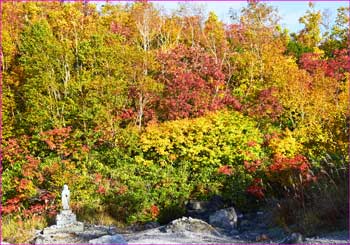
[189,231]
[107,235]
[194,231]
[155,236]
[205,223]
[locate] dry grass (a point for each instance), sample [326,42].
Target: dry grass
[97,215]
[18,231]
[326,206]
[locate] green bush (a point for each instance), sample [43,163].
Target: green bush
[198,148]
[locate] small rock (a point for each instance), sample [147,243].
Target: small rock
[112,230]
[262,237]
[197,205]
[294,238]
[224,218]
[108,239]
[151,225]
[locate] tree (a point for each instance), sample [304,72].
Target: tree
[215,39]
[257,46]
[191,23]
[147,22]
[14,19]
[310,35]
[42,89]
[338,38]
[193,84]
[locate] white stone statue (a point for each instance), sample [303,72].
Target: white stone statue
[65,197]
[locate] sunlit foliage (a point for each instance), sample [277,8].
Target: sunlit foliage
[138,111]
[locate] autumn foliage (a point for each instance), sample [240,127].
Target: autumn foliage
[194,84]
[138,111]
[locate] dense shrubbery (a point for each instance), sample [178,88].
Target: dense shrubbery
[139,112]
[202,147]
[172,161]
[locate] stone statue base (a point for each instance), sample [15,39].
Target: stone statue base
[71,228]
[66,221]
[65,217]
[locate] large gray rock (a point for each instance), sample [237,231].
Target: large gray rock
[224,218]
[108,239]
[190,225]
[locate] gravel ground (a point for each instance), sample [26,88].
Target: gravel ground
[195,231]
[156,236]
[340,237]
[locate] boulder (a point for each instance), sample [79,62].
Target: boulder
[224,218]
[202,209]
[108,239]
[191,225]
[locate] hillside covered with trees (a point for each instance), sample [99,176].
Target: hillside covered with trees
[139,112]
